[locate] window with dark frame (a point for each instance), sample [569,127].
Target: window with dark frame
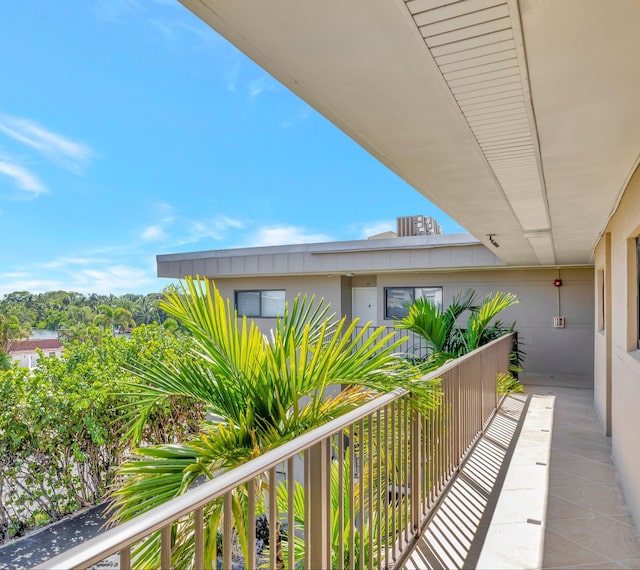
[261,303]
[398,299]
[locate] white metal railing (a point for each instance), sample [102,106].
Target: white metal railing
[353,493]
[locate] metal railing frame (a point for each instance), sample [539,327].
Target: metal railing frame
[420,452]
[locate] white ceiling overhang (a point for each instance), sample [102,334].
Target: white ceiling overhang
[518,119]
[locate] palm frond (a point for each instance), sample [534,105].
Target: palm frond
[491,306]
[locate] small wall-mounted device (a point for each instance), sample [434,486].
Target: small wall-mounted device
[558,322]
[557,282]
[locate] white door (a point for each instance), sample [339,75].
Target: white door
[364,305]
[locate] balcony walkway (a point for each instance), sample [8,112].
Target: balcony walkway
[538,491]
[587,522]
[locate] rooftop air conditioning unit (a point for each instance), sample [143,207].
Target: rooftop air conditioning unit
[417,226]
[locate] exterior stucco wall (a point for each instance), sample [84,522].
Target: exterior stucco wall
[603,333]
[548,350]
[324,287]
[624,356]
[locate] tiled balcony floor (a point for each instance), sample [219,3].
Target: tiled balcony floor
[574,518]
[587,522]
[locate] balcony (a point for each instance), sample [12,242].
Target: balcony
[481,482]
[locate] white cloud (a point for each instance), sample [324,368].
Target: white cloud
[112,10]
[261,85]
[153,233]
[25,180]
[31,285]
[296,118]
[115,279]
[60,149]
[378,228]
[231,76]
[284,235]
[215,228]
[64,261]
[166,30]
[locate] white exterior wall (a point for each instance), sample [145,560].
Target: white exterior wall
[29,359]
[617,358]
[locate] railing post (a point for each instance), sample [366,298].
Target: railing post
[459,412]
[319,543]
[416,471]
[483,373]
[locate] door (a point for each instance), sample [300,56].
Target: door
[364,305]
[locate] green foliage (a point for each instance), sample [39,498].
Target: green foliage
[441,328]
[61,310]
[507,384]
[61,426]
[10,330]
[259,393]
[347,488]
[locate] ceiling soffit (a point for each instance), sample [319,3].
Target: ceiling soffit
[479,50]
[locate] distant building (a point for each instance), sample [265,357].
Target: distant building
[417,226]
[24,353]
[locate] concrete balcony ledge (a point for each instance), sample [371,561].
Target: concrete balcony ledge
[493,514]
[515,538]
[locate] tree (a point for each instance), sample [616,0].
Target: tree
[118,319]
[170,325]
[445,337]
[81,332]
[146,311]
[261,391]
[105,316]
[123,319]
[11,329]
[62,424]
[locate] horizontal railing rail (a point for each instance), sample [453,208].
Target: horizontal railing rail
[353,493]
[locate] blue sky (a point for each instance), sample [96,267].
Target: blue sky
[129,128]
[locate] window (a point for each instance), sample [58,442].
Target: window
[398,299]
[260,303]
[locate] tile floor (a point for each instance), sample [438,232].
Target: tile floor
[587,523]
[462,524]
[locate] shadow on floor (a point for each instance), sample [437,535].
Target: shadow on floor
[455,534]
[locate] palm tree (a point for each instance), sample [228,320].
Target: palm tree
[445,337]
[115,319]
[123,319]
[104,318]
[261,391]
[145,310]
[347,487]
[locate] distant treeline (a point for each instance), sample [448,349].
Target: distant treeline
[73,313]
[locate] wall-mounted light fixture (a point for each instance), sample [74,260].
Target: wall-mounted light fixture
[494,243]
